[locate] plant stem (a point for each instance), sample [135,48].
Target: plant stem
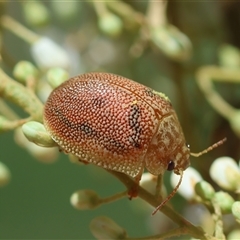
[7,125]
[205,76]
[217,217]
[21,96]
[18,29]
[6,111]
[113,197]
[100,8]
[125,11]
[156,13]
[185,226]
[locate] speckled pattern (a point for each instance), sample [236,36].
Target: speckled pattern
[115,123]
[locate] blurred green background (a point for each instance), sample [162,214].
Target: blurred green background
[36,202]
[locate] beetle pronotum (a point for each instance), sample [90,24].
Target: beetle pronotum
[118,124]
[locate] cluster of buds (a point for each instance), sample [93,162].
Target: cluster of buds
[225,172]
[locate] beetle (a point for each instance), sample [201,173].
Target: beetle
[118,124]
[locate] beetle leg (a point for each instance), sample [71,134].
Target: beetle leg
[133,191]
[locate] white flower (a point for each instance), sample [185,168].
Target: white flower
[48,54]
[148,182]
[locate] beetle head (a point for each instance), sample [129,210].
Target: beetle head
[179,159]
[167,150]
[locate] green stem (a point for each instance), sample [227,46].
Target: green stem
[186,226]
[18,29]
[217,217]
[156,13]
[171,233]
[21,96]
[159,186]
[100,8]
[113,198]
[125,11]
[7,125]
[205,77]
[6,111]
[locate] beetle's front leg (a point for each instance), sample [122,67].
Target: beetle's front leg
[133,190]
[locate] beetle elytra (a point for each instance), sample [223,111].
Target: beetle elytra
[118,124]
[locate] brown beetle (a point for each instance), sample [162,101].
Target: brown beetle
[117,124]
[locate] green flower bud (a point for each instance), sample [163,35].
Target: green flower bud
[236,210]
[224,200]
[35,13]
[229,56]
[234,235]
[110,24]
[5,175]
[204,190]
[172,42]
[66,11]
[105,228]
[24,70]
[43,154]
[85,199]
[35,132]
[56,76]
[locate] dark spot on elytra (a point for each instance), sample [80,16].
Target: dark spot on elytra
[134,123]
[113,145]
[84,127]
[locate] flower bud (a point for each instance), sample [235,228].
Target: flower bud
[35,13]
[105,228]
[24,70]
[204,190]
[85,199]
[172,42]
[190,178]
[35,132]
[234,235]
[56,76]
[47,54]
[110,24]
[224,200]
[236,210]
[225,172]
[43,154]
[229,56]
[64,11]
[5,174]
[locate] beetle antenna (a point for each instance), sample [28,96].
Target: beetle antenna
[170,195]
[215,145]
